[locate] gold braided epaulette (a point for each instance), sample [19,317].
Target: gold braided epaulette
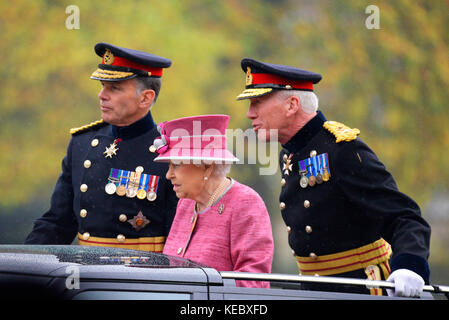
[340,131]
[87,126]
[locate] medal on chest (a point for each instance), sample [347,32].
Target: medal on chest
[304,180]
[113,179]
[132,184]
[112,149]
[287,168]
[314,170]
[139,221]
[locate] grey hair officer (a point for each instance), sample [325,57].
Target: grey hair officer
[344,213]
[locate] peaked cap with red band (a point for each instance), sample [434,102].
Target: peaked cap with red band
[262,78]
[121,63]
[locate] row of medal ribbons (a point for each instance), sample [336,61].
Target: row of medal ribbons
[314,170]
[132,184]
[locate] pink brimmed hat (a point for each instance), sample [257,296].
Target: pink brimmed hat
[194,139]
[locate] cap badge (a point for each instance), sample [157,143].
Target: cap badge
[249,76]
[108,57]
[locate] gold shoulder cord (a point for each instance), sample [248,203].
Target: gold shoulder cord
[341,131]
[87,126]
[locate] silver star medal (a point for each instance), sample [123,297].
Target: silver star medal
[111,150]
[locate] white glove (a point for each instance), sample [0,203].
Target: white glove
[406,283]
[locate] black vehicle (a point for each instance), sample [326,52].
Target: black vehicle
[72,272]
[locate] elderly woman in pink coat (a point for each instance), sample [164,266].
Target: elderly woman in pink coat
[219,222]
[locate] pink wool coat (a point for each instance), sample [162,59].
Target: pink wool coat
[234,234]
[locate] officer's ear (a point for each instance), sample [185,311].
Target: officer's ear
[293,105]
[146,98]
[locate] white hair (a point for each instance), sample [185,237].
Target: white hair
[222,169]
[308,99]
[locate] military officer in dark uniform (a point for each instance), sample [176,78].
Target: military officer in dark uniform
[343,211]
[110,192]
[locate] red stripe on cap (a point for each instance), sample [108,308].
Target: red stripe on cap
[262,78]
[123,62]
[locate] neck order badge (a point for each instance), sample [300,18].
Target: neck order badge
[112,149]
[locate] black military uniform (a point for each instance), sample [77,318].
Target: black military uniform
[110,192]
[341,206]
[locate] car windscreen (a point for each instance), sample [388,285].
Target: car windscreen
[88,255]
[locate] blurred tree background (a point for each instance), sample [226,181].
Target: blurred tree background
[391,83]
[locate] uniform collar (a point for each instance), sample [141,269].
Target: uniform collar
[135,129]
[303,136]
